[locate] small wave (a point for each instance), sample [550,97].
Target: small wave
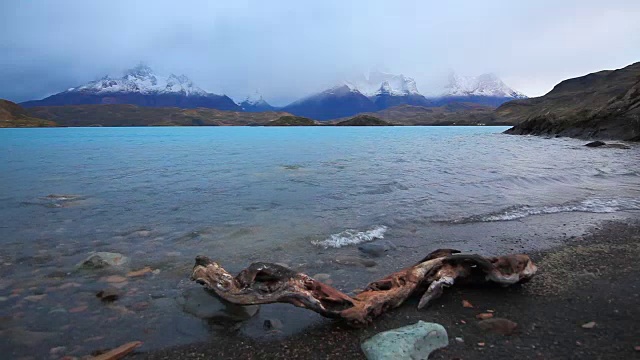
[589,206]
[351,237]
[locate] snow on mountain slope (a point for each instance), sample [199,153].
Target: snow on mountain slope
[396,85]
[141,79]
[484,85]
[255,103]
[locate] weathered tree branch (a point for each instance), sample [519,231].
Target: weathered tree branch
[264,283]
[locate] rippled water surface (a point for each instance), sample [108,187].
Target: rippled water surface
[299,196]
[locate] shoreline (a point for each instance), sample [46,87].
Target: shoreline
[576,284]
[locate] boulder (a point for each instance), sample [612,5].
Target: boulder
[100,260]
[202,304]
[595,144]
[378,248]
[415,341]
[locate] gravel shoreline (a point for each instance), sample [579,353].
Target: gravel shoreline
[588,279]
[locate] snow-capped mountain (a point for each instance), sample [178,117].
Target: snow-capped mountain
[141,79]
[486,89]
[255,103]
[391,84]
[377,92]
[140,86]
[336,102]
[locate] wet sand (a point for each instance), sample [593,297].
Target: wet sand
[590,278]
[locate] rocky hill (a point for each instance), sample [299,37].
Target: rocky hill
[132,115]
[601,105]
[450,114]
[13,115]
[364,120]
[290,120]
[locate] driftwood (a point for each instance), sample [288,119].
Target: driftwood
[264,283]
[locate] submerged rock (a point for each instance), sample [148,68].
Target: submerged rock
[595,144]
[605,145]
[100,260]
[415,341]
[355,261]
[377,249]
[109,294]
[202,304]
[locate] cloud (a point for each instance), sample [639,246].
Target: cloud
[288,49]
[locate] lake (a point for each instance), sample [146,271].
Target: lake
[302,196]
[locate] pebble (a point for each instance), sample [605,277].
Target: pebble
[466,304]
[460,340]
[78,309]
[589,325]
[35,298]
[483,316]
[115,279]
[108,295]
[57,350]
[498,325]
[142,272]
[69,285]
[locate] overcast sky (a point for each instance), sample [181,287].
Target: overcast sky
[290,48]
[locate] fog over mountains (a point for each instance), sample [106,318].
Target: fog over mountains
[142,86]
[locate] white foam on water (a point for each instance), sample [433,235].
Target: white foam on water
[352,237]
[589,206]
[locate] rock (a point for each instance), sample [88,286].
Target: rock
[142,272]
[466,304]
[202,304]
[114,279]
[119,352]
[498,325]
[460,340]
[355,261]
[605,145]
[100,260]
[415,341]
[69,285]
[595,144]
[484,316]
[321,277]
[35,298]
[377,248]
[589,325]
[272,324]
[618,146]
[108,295]
[57,350]
[78,309]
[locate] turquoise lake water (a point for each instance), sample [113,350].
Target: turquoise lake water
[300,196]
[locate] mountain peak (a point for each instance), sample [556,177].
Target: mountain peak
[143,80]
[487,84]
[392,84]
[255,103]
[139,71]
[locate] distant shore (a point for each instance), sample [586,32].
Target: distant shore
[589,278]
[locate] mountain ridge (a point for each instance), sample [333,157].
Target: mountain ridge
[139,86]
